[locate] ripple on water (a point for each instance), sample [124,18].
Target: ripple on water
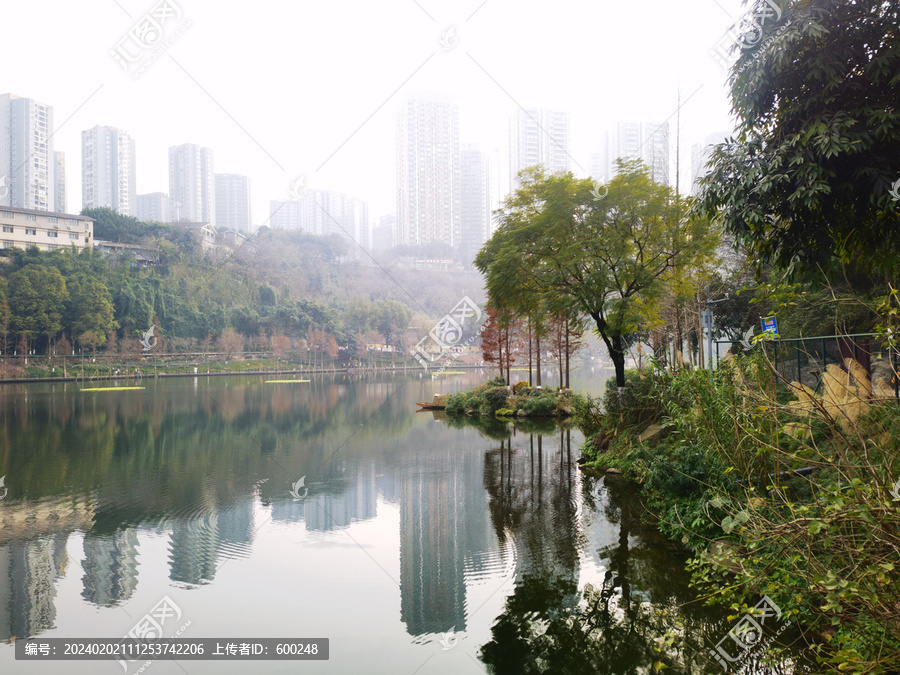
[201,541]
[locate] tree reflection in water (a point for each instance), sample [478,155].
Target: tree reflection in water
[636,615]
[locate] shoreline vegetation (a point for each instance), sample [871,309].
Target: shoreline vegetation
[776,489]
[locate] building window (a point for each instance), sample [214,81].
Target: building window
[73,235]
[30,216]
[7,228]
[52,219]
[72,221]
[30,230]
[8,244]
[52,247]
[53,234]
[7,214]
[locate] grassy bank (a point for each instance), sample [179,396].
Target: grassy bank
[777,489]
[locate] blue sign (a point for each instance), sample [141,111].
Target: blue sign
[769,325]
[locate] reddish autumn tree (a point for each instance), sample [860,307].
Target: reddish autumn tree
[491,344]
[503,340]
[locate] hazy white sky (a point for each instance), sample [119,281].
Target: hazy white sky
[279,89]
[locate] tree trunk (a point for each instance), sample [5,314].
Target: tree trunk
[567,353]
[530,378]
[537,339]
[508,357]
[617,354]
[559,354]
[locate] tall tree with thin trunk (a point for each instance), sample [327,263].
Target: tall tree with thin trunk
[559,250]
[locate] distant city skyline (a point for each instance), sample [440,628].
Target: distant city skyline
[536,135]
[337,129]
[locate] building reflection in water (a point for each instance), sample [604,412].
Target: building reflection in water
[29,571]
[110,567]
[197,544]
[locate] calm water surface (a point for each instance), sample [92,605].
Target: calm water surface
[414,545]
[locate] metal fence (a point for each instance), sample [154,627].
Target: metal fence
[804,359]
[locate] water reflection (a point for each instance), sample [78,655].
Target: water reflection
[110,567]
[204,465]
[30,570]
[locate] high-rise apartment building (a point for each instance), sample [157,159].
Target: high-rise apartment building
[639,140]
[233,202]
[192,185]
[538,137]
[153,206]
[475,201]
[285,215]
[27,160]
[383,233]
[323,212]
[428,173]
[59,179]
[108,170]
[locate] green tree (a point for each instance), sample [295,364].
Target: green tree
[562,250]
[89,309]
[806,181]
[37,300]
[390,318]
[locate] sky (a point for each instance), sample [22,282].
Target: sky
[282,90]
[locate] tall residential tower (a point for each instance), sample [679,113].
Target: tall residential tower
[538,136]
[233,202]
[192,185]
[428,171]
[27,160]
[108,173]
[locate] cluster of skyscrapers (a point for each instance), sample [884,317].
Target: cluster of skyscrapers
[33,174]
[446,190]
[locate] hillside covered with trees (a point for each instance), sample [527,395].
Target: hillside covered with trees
[275,285]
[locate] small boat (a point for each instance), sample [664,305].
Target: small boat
[439,403]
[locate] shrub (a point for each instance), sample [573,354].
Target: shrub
[540,406]
[493,399]
[588,414]
[458,404]
[521,387]
[642,403]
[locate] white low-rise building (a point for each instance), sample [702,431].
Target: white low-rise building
[47,230]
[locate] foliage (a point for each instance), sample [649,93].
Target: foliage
[558,251]
[806,180]
[543,405]
[494,399]
[640,403]
[822,544]
[37,298]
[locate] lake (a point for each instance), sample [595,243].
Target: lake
[329,509]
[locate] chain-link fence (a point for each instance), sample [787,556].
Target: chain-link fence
[804,359]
